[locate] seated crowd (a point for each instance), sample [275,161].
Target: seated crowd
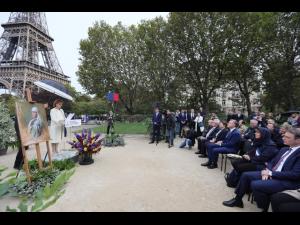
[265,158]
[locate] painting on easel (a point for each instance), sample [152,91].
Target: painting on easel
[32,122]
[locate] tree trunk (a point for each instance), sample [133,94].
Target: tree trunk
[248,104]
[205,106]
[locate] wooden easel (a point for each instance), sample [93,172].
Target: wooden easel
[37,148]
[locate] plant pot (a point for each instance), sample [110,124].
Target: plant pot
[85,159]
[3,151]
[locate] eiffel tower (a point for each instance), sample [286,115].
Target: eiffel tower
[27,54]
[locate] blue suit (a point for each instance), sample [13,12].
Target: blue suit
[183,117]
[230,144]
[287,178]
[156,122]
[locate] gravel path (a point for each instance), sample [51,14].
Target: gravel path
[143,177]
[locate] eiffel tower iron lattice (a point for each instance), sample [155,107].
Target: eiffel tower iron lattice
[27,54]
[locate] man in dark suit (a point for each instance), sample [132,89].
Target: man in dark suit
[207,136]
[249,136]
[218,137]
[230,144]
[183,121]
[275,135]
[240,116]
[156,122]
[282,173]
[222,132]
[191,118]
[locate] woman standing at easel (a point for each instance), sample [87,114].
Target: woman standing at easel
[57,124]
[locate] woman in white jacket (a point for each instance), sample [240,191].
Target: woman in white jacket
[57,124]
[199,125]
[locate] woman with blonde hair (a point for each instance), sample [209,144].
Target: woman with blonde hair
[57,124]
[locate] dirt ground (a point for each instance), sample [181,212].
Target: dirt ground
[142,177]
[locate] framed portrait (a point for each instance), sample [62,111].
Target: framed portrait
[32,121]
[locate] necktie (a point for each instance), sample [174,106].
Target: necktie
[281,159]
[227,135]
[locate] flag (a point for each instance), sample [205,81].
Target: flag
[110,96]
[116,97]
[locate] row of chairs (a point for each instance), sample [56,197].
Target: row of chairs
[224,158]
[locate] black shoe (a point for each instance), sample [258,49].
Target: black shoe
[151,142]
[205,164]
[234,202]
[202,156]
[212,166]
[198,152]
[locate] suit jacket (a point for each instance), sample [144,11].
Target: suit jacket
[291,168]
[267,153]
[240,117]
[190,118]
[156,120]
[183,117]
[221,136]
[212,134]
[170,121]
[232,139]
[277,138]
[249,133]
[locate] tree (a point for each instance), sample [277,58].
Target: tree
[246,54]
[161,81]
[7,129]
[282,76]
[200,44]
[111,62]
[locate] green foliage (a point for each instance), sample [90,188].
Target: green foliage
[10,101]
[7,129]
[183,60]
[282,75]
[40,179]
[64,164]
[113,140]
[46,195]
[45,189]
[125,128]
[61,165]
[6,180]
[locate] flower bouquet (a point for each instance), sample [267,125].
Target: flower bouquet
[87,144]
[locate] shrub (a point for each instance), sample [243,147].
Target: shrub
[7,129]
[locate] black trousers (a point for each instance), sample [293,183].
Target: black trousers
[19,158]
[282,202]
[109,127]
[202,146]
[156,133]
[243,165]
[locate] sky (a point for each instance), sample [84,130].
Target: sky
[68,28]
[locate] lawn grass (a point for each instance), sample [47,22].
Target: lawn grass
[125,128]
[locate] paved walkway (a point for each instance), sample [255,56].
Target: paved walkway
[143,177]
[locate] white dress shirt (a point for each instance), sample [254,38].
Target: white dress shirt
[279,168]
[209,132]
